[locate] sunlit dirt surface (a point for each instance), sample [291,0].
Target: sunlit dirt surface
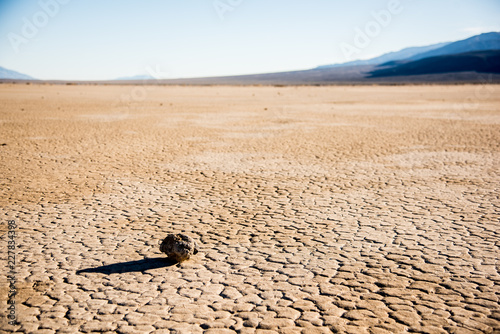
[351,209]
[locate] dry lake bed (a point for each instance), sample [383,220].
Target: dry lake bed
[349,209]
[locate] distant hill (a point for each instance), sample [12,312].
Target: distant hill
[137,77]
[13,75]
[397,55]
[346,74]
[487,41]
[477,61]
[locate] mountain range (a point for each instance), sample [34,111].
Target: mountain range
[475,59]
[402,54]
[467,60]
[486,41]
[478,61]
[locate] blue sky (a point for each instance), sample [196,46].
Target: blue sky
[106,39]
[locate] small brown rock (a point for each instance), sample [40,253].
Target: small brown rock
[179,247]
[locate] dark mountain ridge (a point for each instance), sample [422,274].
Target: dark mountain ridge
[486,41]
[396,55]
[477,61]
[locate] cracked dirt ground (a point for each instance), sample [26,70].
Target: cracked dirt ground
[350,209]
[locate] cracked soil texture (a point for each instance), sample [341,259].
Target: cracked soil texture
[344,209]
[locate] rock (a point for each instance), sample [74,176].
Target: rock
[179,247]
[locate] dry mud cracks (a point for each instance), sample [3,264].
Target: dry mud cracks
[316,209]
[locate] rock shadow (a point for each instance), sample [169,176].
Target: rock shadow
[131,266]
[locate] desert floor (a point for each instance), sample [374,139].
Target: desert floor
[351,209]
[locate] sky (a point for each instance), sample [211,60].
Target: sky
[108,39]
